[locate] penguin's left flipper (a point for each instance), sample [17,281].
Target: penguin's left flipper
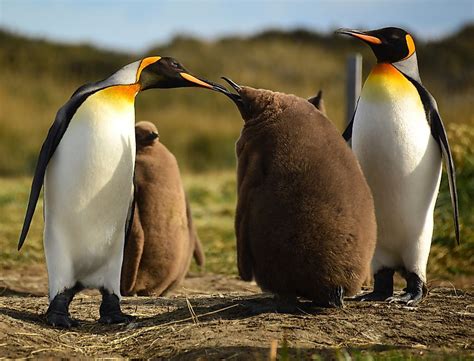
[347,135]
[439,134]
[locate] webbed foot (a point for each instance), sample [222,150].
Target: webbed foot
[383,286]
[57,314]
[60,320]
[414,291]
[110,312]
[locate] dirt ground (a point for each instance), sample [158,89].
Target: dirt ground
[218,317]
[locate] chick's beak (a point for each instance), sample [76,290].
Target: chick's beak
[152,136]
[235,97]
[360,35]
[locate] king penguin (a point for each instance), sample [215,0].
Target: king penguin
[86,165]
[400,140]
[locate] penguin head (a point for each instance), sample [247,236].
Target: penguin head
[389,45]
[166,72]
[145,134]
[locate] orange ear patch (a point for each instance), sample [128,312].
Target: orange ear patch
[367,38]
[145,62]
[410,45]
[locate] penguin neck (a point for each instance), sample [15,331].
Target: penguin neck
[120,95]
[385,83]
[409,67]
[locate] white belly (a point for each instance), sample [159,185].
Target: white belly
[88,190]
[402,163]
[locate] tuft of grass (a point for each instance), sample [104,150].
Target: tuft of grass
[213,198]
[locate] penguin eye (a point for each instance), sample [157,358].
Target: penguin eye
[174,64]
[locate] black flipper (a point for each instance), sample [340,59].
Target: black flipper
[439,134]
[347,135]
[131,212]
[55,134]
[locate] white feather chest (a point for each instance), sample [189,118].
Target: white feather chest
[399,157]
[88,187]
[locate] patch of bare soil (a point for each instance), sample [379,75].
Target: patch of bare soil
[219,317]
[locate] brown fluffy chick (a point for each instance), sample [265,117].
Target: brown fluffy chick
[305,221]
[162,238]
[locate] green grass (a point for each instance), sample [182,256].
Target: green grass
[213,198]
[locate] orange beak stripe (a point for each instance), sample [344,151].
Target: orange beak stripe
[195,80]
[367,38]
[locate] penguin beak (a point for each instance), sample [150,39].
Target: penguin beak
[360,35]
[236,98]
[202,82]
[152,136]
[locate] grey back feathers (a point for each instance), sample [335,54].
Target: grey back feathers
[305,221]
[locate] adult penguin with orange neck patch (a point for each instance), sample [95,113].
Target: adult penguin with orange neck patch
[399,139]
[86,164]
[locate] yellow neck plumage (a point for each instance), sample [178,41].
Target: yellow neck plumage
[386,82]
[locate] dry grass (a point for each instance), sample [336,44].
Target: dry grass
[213,323]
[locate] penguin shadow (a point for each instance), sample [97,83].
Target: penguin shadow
[24,316]
[10,292]
[209,308]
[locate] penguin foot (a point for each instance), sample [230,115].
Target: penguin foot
[414,291]
[335,299]
[57,314]
[60,320]
[110,312]
[372,296]
[115,318]
[383,286]
[407,298]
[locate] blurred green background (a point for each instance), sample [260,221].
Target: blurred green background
[201,127]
